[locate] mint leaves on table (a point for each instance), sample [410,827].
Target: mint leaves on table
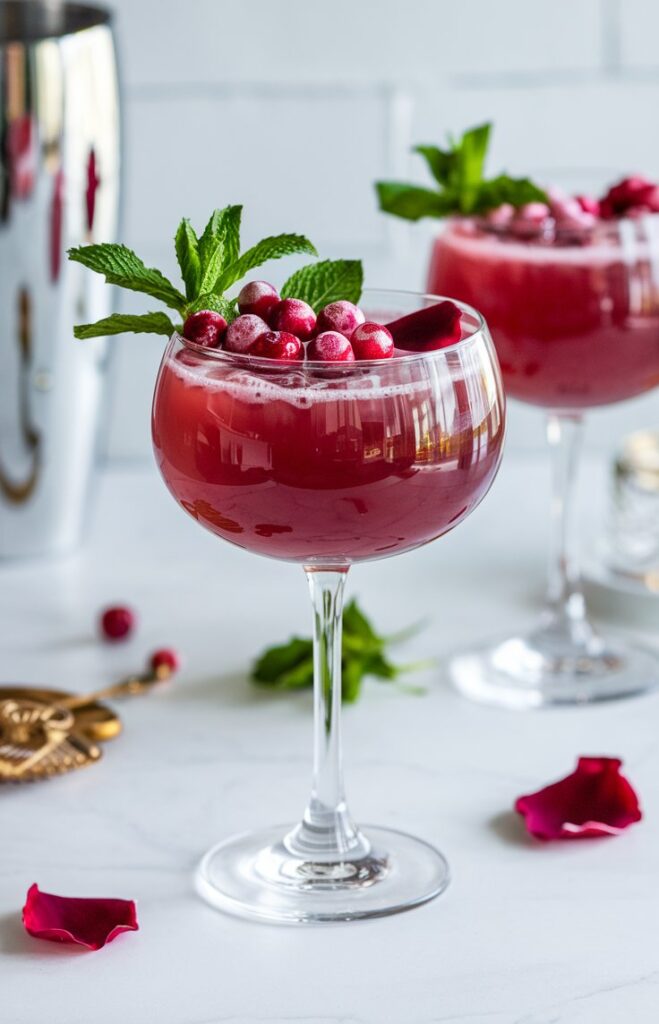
[209,265]
[289,666]
[461,185]
[325,282]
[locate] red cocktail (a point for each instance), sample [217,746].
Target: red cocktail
[575,318]
[325,465]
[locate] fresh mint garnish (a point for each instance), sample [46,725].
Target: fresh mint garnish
[123,323]
[290,666]
[209,265]
[325,282]
[462,187]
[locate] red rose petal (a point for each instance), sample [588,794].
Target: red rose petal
[87,922]
[436,326]
[595,800]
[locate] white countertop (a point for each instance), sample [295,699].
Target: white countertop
[525,934]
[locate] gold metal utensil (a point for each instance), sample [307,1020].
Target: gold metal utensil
[49,732]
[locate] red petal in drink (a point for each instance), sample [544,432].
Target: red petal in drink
[436,326]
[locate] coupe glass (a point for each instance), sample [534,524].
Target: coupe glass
[575,321]
[325,465]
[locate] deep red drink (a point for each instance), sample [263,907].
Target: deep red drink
[327,466]
[575,321]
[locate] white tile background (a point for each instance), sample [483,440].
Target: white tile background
[294,107]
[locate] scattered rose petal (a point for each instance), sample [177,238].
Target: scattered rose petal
[87,922]
[595,800]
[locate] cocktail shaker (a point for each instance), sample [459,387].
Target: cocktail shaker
[59,185]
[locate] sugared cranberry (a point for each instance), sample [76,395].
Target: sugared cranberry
[206,327]
[331,347]
[243,332]
[567,211]
[295,317]
[258,297]
[631,196]
[501,216]
[117,623]
[277,345]
[372,341]
[165,661]
[341,316]
[433,327]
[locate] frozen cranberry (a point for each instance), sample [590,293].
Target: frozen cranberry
[434,327]
[165,661]
[277,345]
[295,317]
[243,332]
[258,297]
[372,341]
[567,211]
[630,196]
[589,205]
[331,347]
[206,327]
[341,316]
[117,623]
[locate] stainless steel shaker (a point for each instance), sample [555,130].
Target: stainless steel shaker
[59,183]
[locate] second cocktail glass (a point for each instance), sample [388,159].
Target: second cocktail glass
[326,465]
[575,320]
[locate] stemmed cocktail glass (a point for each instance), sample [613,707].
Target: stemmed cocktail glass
[575,321]
[326,465]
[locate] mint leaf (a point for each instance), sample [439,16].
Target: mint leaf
[413,202]
[121,323]
[272,248]
[225,307]
[325,282]
[503,189]
[440,161]
[462,188]
[187,254]
[123,267]
[290,665]
[223,228]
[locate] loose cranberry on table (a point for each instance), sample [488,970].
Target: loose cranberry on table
[436,326]
[258,297]
[277,345]
[243,332]
[205,327]
[340,316]
[372,341]
[295,317]
[117,623]
[166,659]
[331,347]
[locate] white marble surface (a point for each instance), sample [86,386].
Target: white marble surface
[526,934]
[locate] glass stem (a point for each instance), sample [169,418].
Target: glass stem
[566,600]
[327,833]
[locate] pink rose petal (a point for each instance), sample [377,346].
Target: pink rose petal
[595,800]
[87,922]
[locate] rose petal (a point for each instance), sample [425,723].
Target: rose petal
[87,922]
[595,800]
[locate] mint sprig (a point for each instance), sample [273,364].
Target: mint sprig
[325,282]
[289,666]
[209,265]
[461,185]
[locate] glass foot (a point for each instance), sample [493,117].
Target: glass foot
[255,875]
[549,667]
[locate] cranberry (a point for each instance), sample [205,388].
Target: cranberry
[331,347]
[589,205]
[372,341]
[277,345]
[205,327]
[164,661]
[295,317]
[117,623]
[258,297]
[434,327]
[342,316]
[630,196]
[243,332]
